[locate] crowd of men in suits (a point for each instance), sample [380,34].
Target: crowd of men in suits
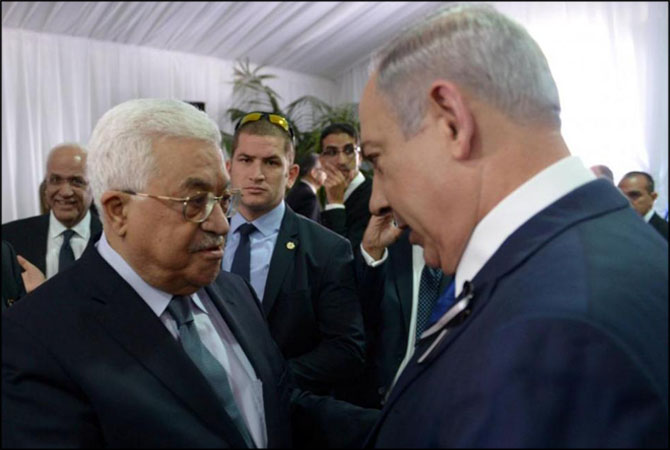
[482,289]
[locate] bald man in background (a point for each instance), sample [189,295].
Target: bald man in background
[54,240]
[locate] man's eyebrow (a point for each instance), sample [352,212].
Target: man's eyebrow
[196,183]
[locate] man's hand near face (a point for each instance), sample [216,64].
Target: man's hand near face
[379,234]
[335,184]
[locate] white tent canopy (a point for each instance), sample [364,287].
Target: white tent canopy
[66,63]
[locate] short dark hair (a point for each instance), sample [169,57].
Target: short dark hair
[636,173]
[307,163]
[264,128]
[337,128]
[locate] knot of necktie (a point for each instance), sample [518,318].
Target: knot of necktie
[180,310]
[246,229]
[67,235]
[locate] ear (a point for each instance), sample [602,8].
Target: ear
[293,171]
[115,205]
[228,164]
[654,195]
[455,117]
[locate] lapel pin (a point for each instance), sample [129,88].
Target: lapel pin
[290,245]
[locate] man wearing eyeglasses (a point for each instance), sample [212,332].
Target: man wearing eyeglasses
[347,190]
[144,342]
[54,240]
[301,272]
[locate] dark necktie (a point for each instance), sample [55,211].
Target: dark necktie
[66,255]
[429,289]
[206,362]
[443,303]
[242,260]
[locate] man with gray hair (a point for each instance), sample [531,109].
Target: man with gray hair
[555,333]
[144,343]
[52,241]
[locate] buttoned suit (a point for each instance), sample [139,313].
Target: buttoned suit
[29,237]
[87,363]
[351,221]
[311,304]
[563,344]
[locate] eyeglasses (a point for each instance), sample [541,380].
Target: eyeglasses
[76,182]
[331,151]
[197,208]
[272,118]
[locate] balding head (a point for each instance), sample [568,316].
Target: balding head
[68,193]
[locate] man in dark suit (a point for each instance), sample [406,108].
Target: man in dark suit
[143,343]
[302,272]
[59,237]
[347,190]
[556,331]
[394,293]
[639,188]
[302,198]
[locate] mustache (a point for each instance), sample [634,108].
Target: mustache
[208,240]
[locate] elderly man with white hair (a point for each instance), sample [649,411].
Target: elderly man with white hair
[144,343]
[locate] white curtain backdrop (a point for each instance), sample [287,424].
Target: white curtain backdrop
[610,62]
[55,88]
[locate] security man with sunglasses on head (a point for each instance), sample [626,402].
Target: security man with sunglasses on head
[347,190]
[144,342]
[302,272]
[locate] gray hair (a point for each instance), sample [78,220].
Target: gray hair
[479,49]
[121,153]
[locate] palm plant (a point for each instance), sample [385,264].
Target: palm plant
[307,114]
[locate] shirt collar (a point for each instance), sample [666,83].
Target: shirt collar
[156,299]
[514,210]
[267,224]
[647,217]
[83,228]
[357,181]
[312,187]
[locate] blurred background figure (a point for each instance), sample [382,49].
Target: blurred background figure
[602,171]
[639,188]
[302,198]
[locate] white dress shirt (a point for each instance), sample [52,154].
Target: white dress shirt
[214,334]
[78,241]
[262,244]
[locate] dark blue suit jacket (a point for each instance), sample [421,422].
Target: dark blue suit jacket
[86,363]
[565,342]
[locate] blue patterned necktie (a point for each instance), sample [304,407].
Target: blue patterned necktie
[242,259]
[206,362]
[443,303]
[66,255]
[429,289]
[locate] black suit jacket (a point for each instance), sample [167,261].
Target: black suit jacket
[660,225]
[351,221]
[12,283]
[29,237]
[386,300]
[311,304]
[564,343]
[303,200]
[86,363]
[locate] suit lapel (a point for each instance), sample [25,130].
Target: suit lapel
[282,258]
[595,198]
[41,239]
[134,325]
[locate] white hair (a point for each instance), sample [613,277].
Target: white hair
[479,49]
[121,155]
